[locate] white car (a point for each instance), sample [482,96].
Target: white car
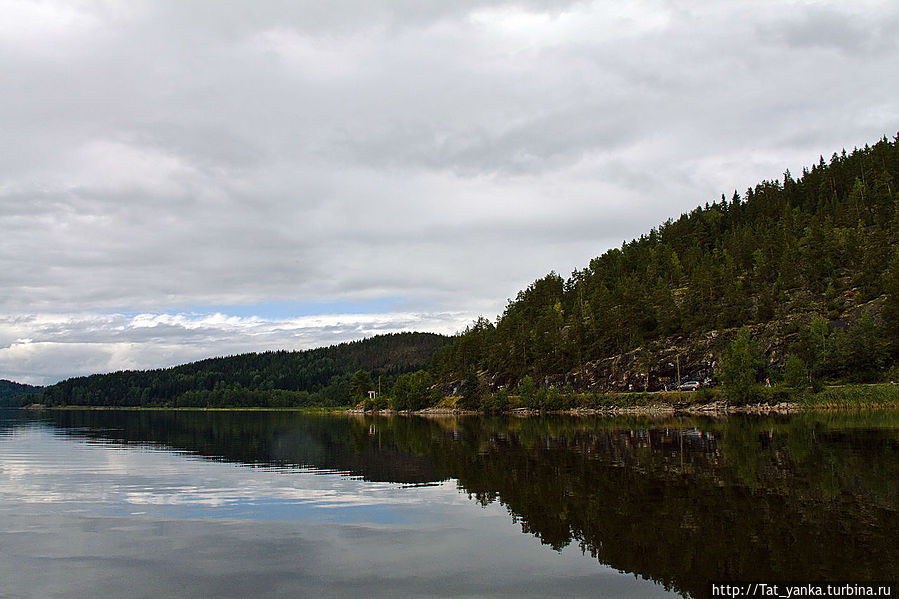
[689,386]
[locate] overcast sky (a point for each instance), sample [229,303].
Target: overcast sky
[183,179]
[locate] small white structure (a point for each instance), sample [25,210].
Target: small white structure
[372,394]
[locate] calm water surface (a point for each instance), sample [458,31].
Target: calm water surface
[198,504]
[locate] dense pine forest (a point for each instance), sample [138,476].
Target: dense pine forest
[317,377]
[811,261]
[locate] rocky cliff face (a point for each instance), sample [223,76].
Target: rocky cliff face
[661,365]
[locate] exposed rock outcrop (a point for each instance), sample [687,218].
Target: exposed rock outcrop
[662,363]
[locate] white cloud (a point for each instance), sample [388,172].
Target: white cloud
[42,27]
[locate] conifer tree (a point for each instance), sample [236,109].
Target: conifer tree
[471,390]
[739,367]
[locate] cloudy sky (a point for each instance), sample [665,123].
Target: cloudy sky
[182,179]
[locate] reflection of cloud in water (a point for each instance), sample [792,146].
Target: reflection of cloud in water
[43,468]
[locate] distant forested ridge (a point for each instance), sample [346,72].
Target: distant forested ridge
[316,377]
[15,394]
[809,264]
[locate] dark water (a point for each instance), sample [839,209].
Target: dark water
[197,504]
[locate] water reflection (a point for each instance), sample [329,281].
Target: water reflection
[680,502]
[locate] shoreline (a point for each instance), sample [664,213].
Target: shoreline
[713,410]
[716,409]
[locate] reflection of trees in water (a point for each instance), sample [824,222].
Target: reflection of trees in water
[370,450]
[681,502]
[735,504]
[11,420]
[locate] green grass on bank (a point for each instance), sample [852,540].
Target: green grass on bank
[852,397]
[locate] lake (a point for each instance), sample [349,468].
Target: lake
[274,504]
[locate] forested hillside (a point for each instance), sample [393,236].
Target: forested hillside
[320,376]
[15,394]
[811,260]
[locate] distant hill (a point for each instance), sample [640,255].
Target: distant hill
[16,394]
[810,264]
[271,379]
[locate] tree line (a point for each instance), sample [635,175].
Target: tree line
[316,377]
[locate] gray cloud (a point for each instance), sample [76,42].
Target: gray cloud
[859,30]
[163,155]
